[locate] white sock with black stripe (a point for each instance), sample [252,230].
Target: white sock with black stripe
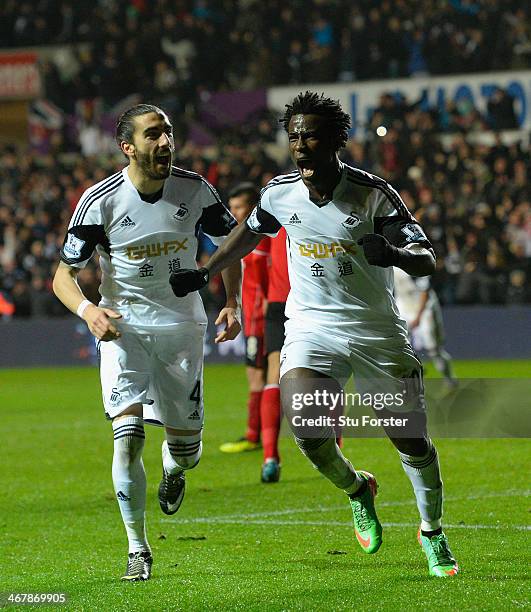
[181,453]
[425,476]
[129,478]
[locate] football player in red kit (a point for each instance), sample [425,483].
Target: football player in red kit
[270,412]
[242,200]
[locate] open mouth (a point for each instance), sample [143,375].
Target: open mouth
[164,159]
[306,167]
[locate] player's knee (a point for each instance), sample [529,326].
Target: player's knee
[313,447]
[414,447]
[186,452]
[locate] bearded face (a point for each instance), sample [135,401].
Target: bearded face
[153,145]
[155,165]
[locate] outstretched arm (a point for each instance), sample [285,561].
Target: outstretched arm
[239,243]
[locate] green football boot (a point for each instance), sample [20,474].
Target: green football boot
[440,559]
[240,446]
[367,527]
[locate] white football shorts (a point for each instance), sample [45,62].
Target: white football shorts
[164,372]
[387,365]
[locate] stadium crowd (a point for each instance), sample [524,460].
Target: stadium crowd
[473,200]
[188,46]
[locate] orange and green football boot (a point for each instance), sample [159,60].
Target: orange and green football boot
[440,559]
[367,527]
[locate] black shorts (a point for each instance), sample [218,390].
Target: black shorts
[274,326]
[254,352]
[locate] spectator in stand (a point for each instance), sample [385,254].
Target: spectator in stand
[213,45]
[501,112]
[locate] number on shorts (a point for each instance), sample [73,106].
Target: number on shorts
[195,396]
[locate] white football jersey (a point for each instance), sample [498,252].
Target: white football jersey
[408,291]
[332,285]
[141,242]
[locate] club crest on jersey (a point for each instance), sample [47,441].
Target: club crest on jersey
[351,221]
[115,396]
[73,246]
[182,213]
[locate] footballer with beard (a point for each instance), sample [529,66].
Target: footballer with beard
[142,222]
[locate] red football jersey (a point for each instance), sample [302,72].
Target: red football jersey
[278,272]
[254,288]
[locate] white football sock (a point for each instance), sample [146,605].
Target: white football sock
[425,476]
[327,457]
[181,452]
[129,478]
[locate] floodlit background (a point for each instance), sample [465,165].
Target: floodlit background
[440,97]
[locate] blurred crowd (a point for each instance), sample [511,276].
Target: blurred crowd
[183,47]
[473,200]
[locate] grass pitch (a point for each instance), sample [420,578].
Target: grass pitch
[236,544]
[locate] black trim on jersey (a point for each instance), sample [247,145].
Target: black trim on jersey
[216,220]
[107,192]
[92,235]
[289,247]
[86,202]
[268,224]
[186,174]
[151,198]
[401,231]
[213,191]
[180,173]
[366,180]
[288,178]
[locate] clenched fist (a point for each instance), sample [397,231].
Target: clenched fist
[185,281]
[378,250]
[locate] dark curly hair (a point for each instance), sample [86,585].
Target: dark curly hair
[311,103]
